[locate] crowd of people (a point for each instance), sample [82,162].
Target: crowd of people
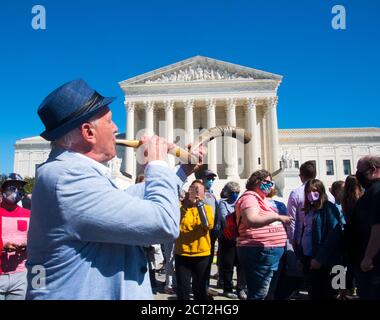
[93,240]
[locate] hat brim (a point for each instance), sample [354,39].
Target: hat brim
[58,132]
[7,182]
[210,174]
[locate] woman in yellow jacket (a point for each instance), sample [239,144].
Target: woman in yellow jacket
[193,246]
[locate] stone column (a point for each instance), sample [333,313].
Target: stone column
[253,146]
[130,132]
[273,133]
[149,117]
[231,143]
[211,146]
[189,121]
[169,106]
[265,160]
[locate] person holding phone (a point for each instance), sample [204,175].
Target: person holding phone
[193,246]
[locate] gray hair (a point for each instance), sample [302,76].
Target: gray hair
[73,137]
[229,188]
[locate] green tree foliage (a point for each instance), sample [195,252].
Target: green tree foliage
[30,184]
[3,177]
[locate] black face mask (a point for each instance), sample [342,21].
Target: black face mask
[364,178]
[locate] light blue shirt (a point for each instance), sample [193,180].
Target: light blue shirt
[225,208]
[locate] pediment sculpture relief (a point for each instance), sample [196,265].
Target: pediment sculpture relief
[199,73]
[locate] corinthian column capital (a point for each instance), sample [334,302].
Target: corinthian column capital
[231,104]
[272,102]
[189,104]
[252,102]
[211,104]
[149,106]
[169,105]
[129,106]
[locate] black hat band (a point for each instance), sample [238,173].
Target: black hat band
[94,101]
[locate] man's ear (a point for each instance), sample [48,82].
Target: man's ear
[88,133]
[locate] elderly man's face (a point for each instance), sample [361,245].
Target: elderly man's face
[105,130]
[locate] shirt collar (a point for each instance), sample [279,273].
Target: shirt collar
[103,169]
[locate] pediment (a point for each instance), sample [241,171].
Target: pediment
[198,69]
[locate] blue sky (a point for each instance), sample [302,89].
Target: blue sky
[331,78]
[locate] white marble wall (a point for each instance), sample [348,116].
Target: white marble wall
[335,152]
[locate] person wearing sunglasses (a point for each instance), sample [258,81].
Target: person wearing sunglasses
[14,228]
[262,234]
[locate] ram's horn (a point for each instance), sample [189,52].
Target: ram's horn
[223,131]
[205,137]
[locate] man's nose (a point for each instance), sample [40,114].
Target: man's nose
[116,129]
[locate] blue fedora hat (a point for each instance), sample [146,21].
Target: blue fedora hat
[68,106]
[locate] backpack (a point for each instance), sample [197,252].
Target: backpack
[231,229]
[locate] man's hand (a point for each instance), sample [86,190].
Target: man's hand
[366,264]
[10,247]
[151,149]
[198,153]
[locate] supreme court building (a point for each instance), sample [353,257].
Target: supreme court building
[181,100]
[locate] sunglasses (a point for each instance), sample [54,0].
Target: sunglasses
[11,189]
[210,178]
[268,182]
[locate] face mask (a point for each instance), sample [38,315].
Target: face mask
[313,196]
[12,198]
[208,184]
[234,196]
[364,178]
[266,187]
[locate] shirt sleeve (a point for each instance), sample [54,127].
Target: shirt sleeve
[292,208]
[222,212]
[96,211]
[249,201]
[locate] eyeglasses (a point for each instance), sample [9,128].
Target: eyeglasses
[210,178]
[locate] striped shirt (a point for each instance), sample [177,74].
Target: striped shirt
[272,235]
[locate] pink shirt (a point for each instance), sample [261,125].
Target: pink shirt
[272,235]
[14,229]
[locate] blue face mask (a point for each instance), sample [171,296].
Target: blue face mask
[234,196]
[266,187]
[208,184]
